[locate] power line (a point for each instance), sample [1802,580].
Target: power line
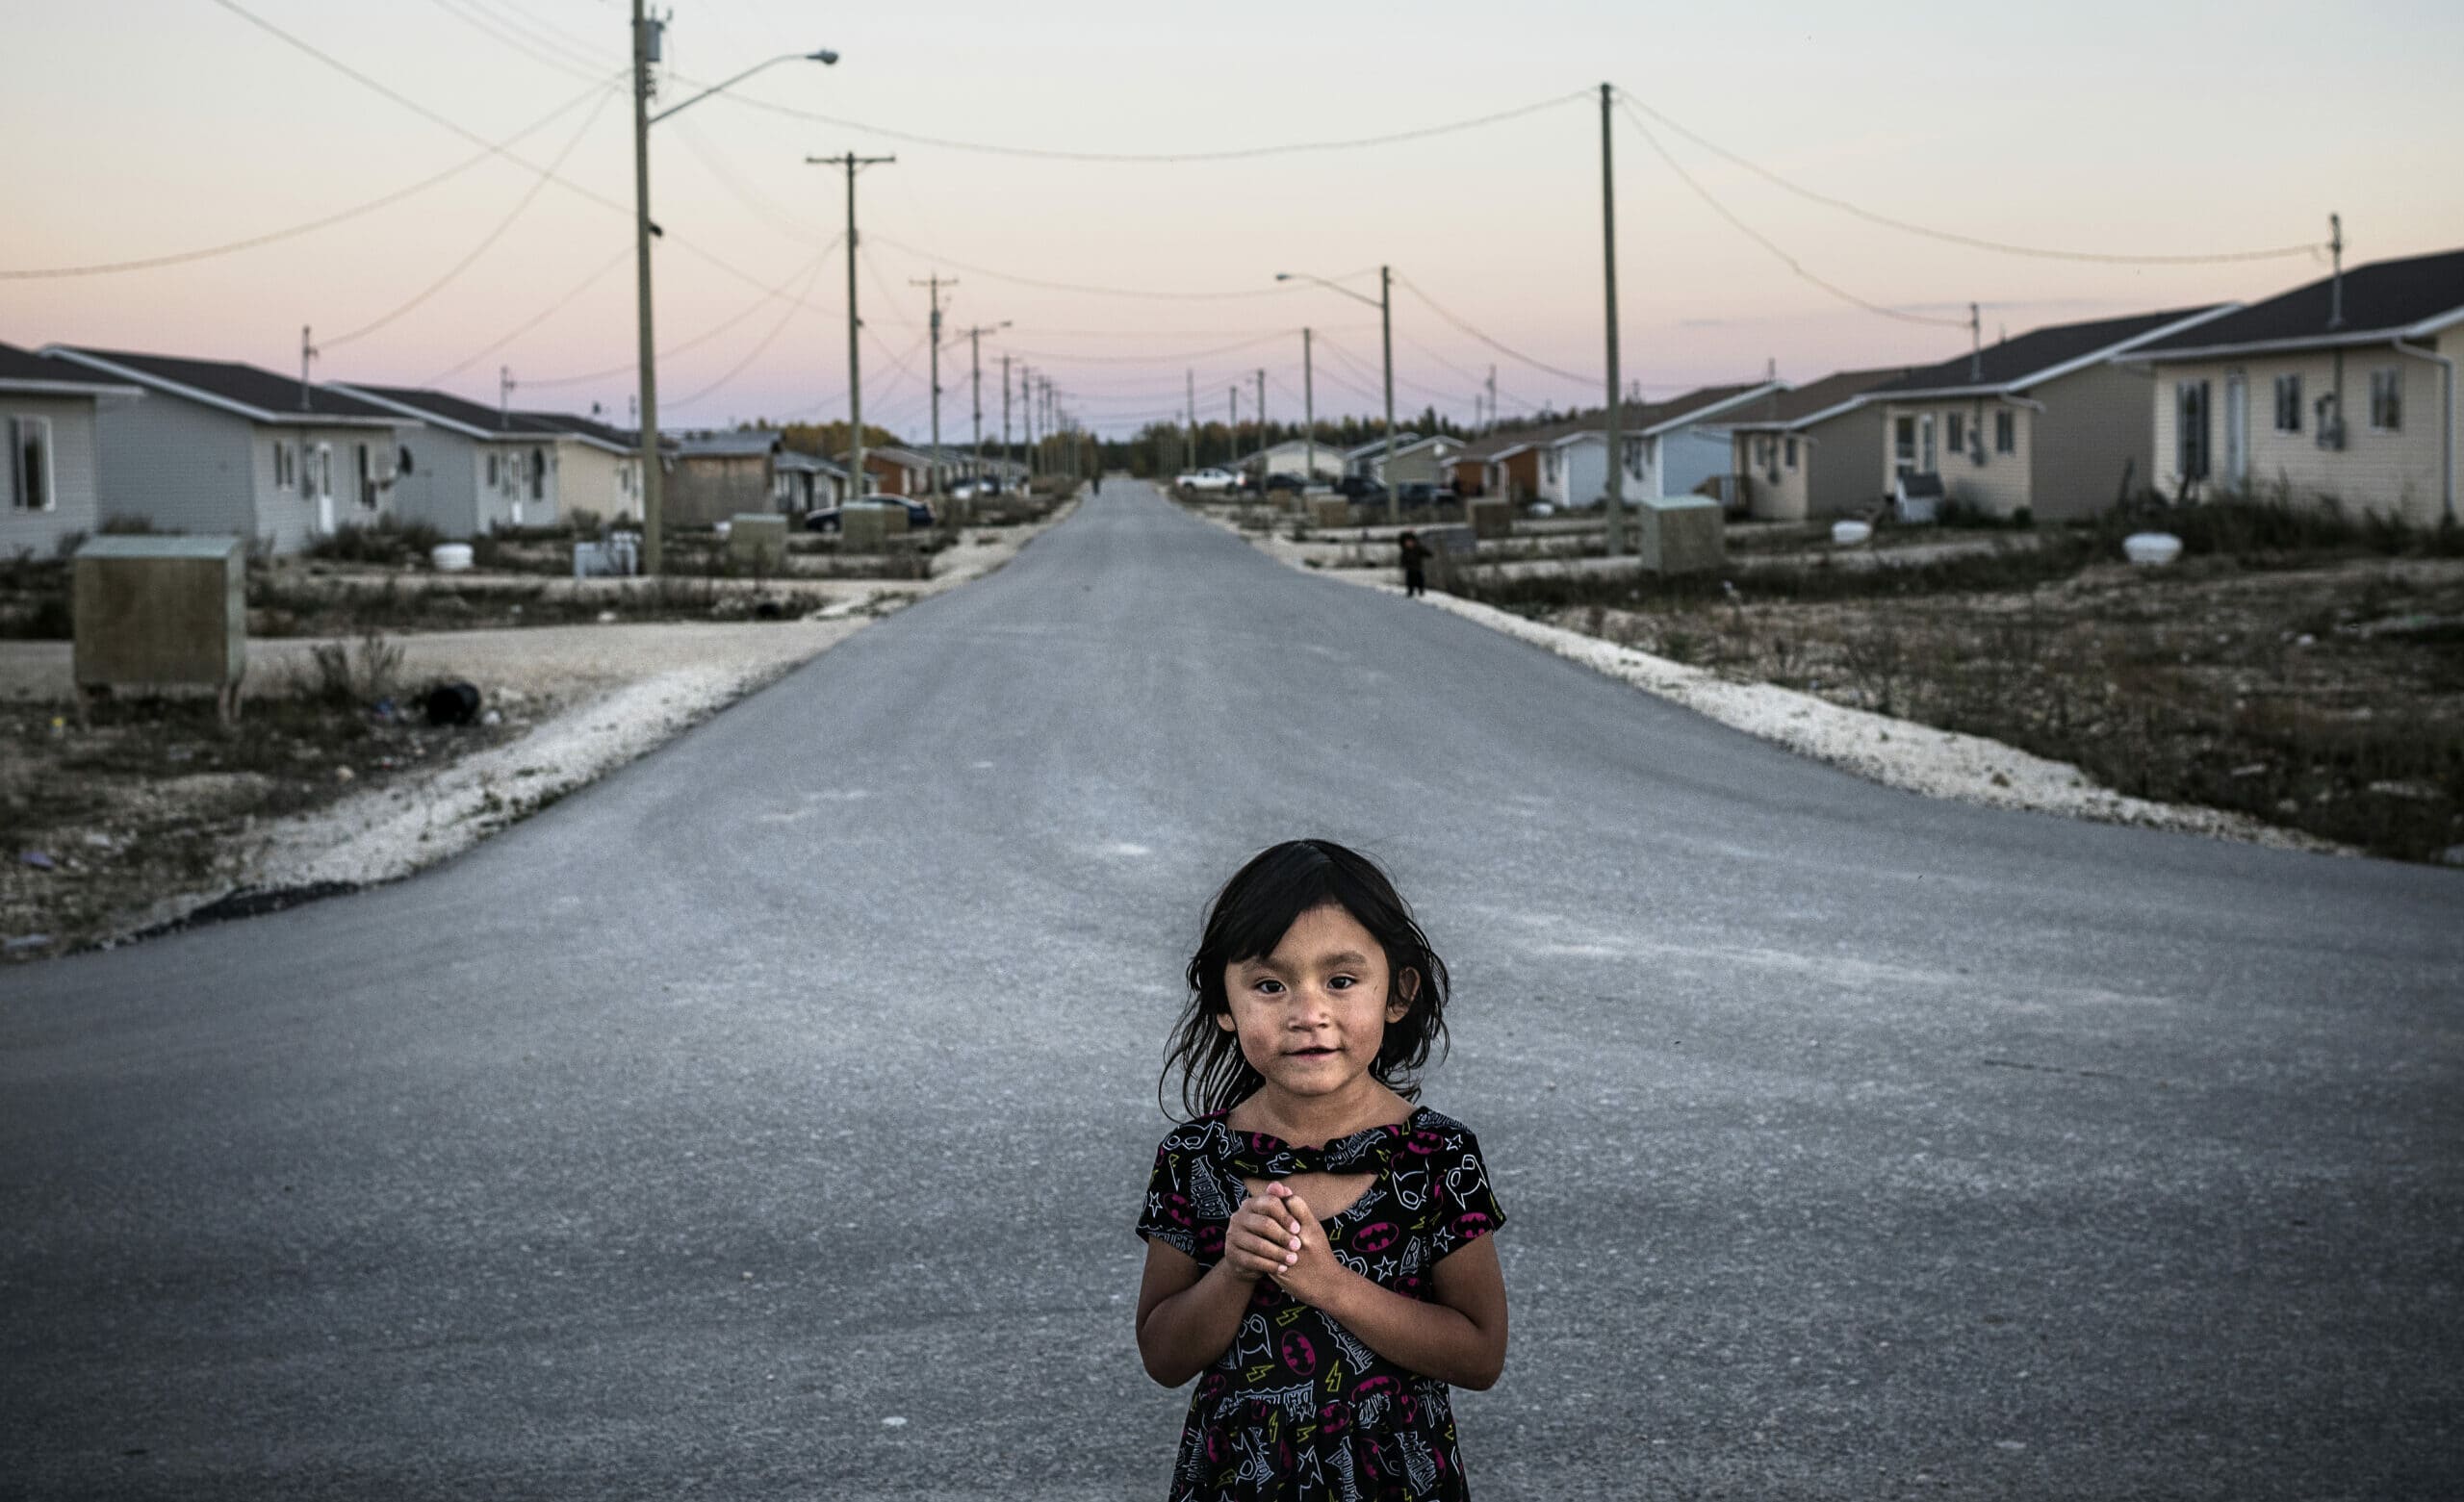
[535,320]
[530,196]
[2217,258]
[1165,357]
[698,339]
[497,31]
[778,218]
[1765,241]
[755,353]
[292,232]
[1505,350]
[1278,291]
[1237,154]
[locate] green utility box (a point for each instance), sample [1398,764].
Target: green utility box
[162,611]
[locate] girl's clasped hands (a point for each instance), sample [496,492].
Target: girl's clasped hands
[1273,1236]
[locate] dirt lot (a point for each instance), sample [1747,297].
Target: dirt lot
[2320,688]
[333,776]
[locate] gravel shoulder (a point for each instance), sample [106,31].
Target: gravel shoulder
[568,705]
[1898,752]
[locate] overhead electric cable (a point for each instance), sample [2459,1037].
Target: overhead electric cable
[2215,258]
[498,32]
[535,321]
[292,232]
[755,353]
[1162,357]
[1276,291]
[1159,158]
[697,340]
[530,196]
[1505,350]
[1765,241]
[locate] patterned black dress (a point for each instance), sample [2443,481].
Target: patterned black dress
[1298,1409]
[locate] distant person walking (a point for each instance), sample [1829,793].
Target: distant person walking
[1095,484]
[1415,559]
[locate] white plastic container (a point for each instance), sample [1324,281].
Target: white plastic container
[451,558]
[1848,534]
[2151,550]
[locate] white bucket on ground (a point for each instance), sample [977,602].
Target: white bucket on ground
[450,557]
[1848,534]
[2151,550]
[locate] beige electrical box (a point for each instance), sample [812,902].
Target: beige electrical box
[1680,534]
[1329,511]
[756,540]
[1491,518]
[162,611]
[873,522]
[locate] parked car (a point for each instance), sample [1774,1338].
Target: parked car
[1206,479]
[1360,488]
[824,519]
[970,489]
[918,514]
[1289,482]
[1424,492]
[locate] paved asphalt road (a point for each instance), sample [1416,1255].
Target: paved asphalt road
[800,1079]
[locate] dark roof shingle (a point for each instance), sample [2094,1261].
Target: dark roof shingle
[2014,362]
[2379,298]
[278,396]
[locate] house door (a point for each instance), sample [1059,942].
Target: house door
[2237,433]
[1904,445]
[323,458]
[1925,442]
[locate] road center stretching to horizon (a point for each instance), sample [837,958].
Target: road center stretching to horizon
[768,1120]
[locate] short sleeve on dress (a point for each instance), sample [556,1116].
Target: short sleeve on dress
[1466,1208]
[1166,1216]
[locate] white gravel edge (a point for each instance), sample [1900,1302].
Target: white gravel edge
[1896,752]
[387,833]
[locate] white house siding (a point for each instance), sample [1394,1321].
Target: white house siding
[512,501]
[1775,490]
[2378,471]
[437,491]
[2094,426]
[75,501]
[179,466]
[1999,486]
[1687,457]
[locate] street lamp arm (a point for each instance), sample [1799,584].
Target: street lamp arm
[1303,276]
[824,56]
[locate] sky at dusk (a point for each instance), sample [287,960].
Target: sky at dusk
[149,128]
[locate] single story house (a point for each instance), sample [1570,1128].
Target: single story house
[1364,459]
[1684,442]
[2045,422]
[1566,463]
[598,468]
[892,470]
[718,476]
[50,489]
[2359,371]
[1810,450]
[806,482]
[474,470]
[222,448]
[1318,461]
[1422,461]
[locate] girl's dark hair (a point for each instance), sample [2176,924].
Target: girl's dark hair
[1249,918]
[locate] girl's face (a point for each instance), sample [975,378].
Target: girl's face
[1311,1016]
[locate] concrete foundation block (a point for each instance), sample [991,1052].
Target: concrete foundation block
[1489,518]
[1680,534]
[1329,511]
[863,524]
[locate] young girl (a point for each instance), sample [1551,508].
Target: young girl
[1315,1245]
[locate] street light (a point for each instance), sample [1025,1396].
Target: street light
[1384,303]
[646,51]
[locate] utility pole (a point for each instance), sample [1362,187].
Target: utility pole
[504,397]
[1191,377]
[1975,346]
[1262,431]
[975,379]
[1232,460]
[1005,416]
[307,352]
[1493,398]
[646,51]
[1616,389]
[1308,414]
[1027,415]
[932,470]
[857,481]
[2336,286]
[1386,327]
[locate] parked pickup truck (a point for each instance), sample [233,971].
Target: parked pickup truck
[1208,479]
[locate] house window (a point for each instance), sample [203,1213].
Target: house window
[2288,403]
[1925,443]
[325,466]
[2387,399]
[2190,430]
[2006,438]
[1792,453]
[286,465]
[492,470]
[366,496]
[1952,434]
[29,464]
[538,474]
